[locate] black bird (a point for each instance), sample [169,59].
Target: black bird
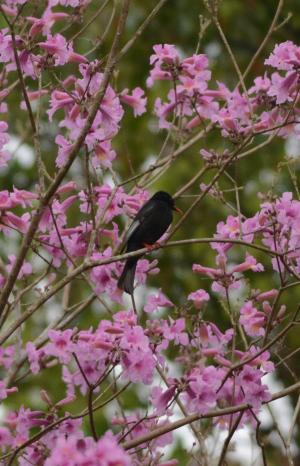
[149,224]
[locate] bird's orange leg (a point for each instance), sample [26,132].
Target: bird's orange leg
[151,247]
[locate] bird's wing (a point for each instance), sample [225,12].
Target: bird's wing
[134,225]
[139,219]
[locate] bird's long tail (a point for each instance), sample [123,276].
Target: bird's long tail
[126,280]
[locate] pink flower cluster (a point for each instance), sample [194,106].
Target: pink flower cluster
[275,225]
[193,103]
[84,219]
[228,278]
[54,229]
[75,95]
[85,451]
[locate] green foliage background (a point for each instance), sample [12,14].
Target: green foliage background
[245,24]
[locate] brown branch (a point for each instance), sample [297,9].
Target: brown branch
[256,355]
[267,37]
[111,61]
[20,72]
[56,423]
[89,264]
[91,388]
[141,29]
[213,181]
[215,19]
[59,324]
[190,183]
[196,417]
[182,408]
[228,438]
[90,21]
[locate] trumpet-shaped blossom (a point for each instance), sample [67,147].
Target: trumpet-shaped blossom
[199,298]
[156,301]
[252,320]
[76,231]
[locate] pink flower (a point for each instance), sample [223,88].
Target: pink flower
[211,341]
[135,339]
[60,100]
[70,186]
[6,438]
[262,361]
[16,222]
[5,200]
[249,264]
[169,463]
[104,155]
[210,272]
[201,393]
[229,284]
[7,355]
[60,345]
[285,56]
[252,320]
[132,203]
[104,275]
[255,393]
[4,154]
[136,100]
[196,65]
[22,197]
[164,53]
[261,85]
[199,298]
[4,391]
[15,2]
[156,301]
[266,295]
[175,331]
[160,399]
[44,24]
[208,156]
[138,366]
[61,50]
[164,57]
[64,150]
[34,357]
[282,88]
[26,268]
[72,3]
[109,452]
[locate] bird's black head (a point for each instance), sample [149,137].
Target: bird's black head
[164,197]
[168,199]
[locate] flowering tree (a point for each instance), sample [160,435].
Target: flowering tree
[64,239]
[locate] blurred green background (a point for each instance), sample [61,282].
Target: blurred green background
[245,24]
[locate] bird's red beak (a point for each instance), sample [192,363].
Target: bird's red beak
[178,210]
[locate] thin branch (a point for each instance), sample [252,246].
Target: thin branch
[251,358]
[93,18]
[111,62]
[182,408]
[89,264]
[141,29]
[231,55]
[228,439]
[20,73]
[293,423]
[196,417]
[266,38]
